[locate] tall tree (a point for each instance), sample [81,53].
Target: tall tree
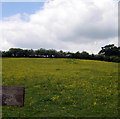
[109,50]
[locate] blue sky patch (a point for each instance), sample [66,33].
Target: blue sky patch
[13,8]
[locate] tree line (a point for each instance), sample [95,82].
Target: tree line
[109,53]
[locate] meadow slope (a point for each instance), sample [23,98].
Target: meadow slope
[62,87]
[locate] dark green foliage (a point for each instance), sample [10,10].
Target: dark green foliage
[109,53]
[110,50]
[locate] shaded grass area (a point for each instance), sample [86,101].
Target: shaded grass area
[63,87]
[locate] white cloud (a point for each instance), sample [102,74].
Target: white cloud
[64,24]
[16,17]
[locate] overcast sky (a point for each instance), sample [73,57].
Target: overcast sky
[68,25]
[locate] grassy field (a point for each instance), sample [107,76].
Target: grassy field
[62,87]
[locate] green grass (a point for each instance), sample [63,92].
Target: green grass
[62,87]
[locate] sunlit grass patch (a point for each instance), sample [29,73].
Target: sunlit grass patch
[63,87]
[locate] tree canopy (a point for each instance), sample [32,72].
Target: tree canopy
[110,50]
[107,53]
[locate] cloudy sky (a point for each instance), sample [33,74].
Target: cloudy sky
[68,25]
